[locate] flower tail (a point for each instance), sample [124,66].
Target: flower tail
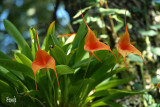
[84,20]
[57,78]
[96,57]
[125,63]
[113,54]
[35,79]
[143,60]
[125,21]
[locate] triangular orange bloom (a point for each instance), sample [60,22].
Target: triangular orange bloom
[158,85]
[67,35]
[124,46]
[92,44]
[43,60]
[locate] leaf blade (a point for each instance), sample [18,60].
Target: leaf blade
[12,30]
[64,69]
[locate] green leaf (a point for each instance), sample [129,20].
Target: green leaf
[112,94]
[51,28]
[154,105]
[95,19]
[135,58]
[107,12]
[155,50]
[109,103]
[82,63]
[117,18]
[79,42]
[70,55]
[103,36]
[4,56]
[100,23]
[67,48]
[48,41]
[148,33]
[103,77]
[98,71]
[23,59]
[55,40]
[155,80]
[17,69]
[80,52]
[5,87]
[79,12]
[33,41]
[58,55]
[118,27]
[12,30]
[113,83]
[80,34]
[8,76]
[103,67]
[148,98]
[155,27]
[64,69]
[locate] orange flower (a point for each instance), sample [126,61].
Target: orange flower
[124,46]
[158,85]
[67,35]
[92,44]
[43,60]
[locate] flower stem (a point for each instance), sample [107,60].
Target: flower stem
[65,90]
[82,93]
[48,73]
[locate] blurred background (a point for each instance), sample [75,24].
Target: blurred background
[143,20]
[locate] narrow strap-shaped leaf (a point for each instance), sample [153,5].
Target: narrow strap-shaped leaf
[17,68]
[8,76]
[79,12]
[70,55]
[21,58]
[112,94]
[5,87]
[80,34]
[50,39]
[103,77]
[59,55]
[12,30]
[107,103]
[81,63]
[51,30]
[80,52]
[79,43]
[33,41]
[55,40]
[113,83]
[64,69]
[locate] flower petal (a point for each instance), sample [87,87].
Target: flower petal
[43,60]
[124,47]
[92,44]
[125,37]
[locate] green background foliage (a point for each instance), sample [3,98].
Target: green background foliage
[83,81]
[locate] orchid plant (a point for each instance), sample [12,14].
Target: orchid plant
[75,79]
